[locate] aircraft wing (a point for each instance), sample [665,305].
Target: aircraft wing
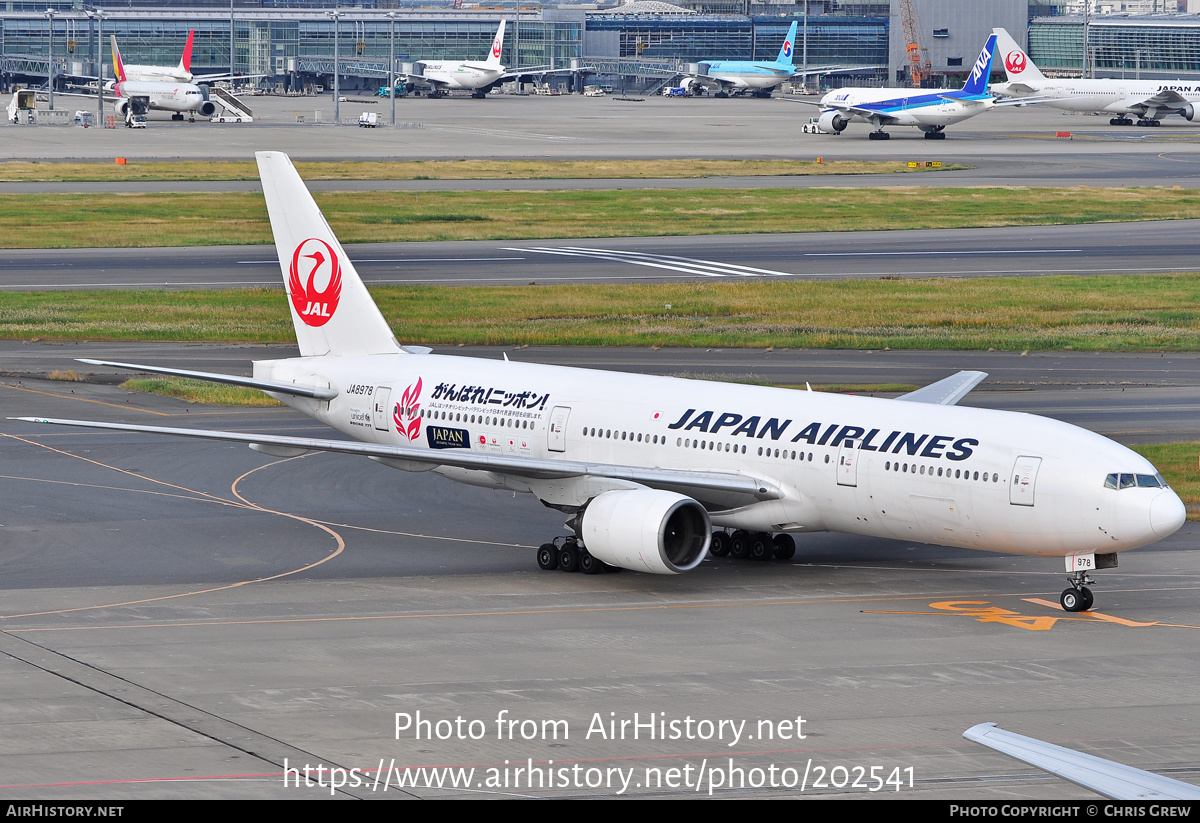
[314,392]
[1166,99]
[946,392]
[742,488]
[1113,780]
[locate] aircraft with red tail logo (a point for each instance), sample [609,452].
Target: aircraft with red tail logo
[654,473]
[1149,100]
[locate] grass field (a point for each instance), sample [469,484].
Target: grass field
[1136,313]
[23,171]
[204,219]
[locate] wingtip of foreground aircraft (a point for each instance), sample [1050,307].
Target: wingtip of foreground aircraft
[655,473]
[1105,777]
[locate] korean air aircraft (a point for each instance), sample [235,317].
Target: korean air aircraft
[930,111]
[739,76]
[652,473]
[1150,100]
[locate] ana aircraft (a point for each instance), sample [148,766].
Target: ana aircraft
[931,112]
[1150,100]
[645,467]
[443,76]
[739,76]
[177,97]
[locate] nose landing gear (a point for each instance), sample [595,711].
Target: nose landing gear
[1078,598]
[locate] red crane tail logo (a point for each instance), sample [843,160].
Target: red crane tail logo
[314,261]
[1015,62]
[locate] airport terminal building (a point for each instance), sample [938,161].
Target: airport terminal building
[290,44]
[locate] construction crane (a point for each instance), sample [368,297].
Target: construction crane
[908,20]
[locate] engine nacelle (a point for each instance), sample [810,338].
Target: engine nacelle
[208,109]
[646,530]
[833,122]
[1188,112]
[122,105]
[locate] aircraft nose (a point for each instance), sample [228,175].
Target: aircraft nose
[1167,514]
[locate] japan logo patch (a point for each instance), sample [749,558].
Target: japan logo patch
[315,264]
[1015,62]
[407,416]
[496,48]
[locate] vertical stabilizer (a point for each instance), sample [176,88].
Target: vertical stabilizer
[493,58]
[788,49]
[185,62]
[118,66]
[331,309]
[981,72]
[1018,68]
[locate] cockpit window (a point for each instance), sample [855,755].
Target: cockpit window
[1130,481]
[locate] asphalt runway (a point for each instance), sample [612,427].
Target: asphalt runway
[1011,146]
[1127,248]
[194,620]
[181,619]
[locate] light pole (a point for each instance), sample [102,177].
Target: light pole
[50,55]
[231,44]
[336,85]
[99,16]
[392,64]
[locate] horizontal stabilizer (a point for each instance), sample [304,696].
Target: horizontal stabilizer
[1113,780]
[753,488]
[229,379]
[947,392]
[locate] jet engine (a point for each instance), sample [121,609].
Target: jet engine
[1188,112]
[832,122]
[646,530]
[208,109]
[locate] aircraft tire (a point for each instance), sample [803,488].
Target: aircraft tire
[739,544]
[719,546]
[568,557]
[1071,600]
[547,557]
[785,547]
[761,547]
[589,564]
[1088,598]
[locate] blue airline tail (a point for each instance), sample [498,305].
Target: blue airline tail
[787,49]
[977,82]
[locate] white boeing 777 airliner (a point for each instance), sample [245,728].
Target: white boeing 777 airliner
[644,466]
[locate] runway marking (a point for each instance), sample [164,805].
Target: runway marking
[82,399]
[931,253]
[687,265]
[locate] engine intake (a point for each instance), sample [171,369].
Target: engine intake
[832,121]
[646,530]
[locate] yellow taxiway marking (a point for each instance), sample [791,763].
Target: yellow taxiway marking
[205,496]
[983,612]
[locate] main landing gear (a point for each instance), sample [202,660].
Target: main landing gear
[745,545]
[1144,122]
[935,133]
[1120,121]
[565,554]
[879,135]
[1078,598]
